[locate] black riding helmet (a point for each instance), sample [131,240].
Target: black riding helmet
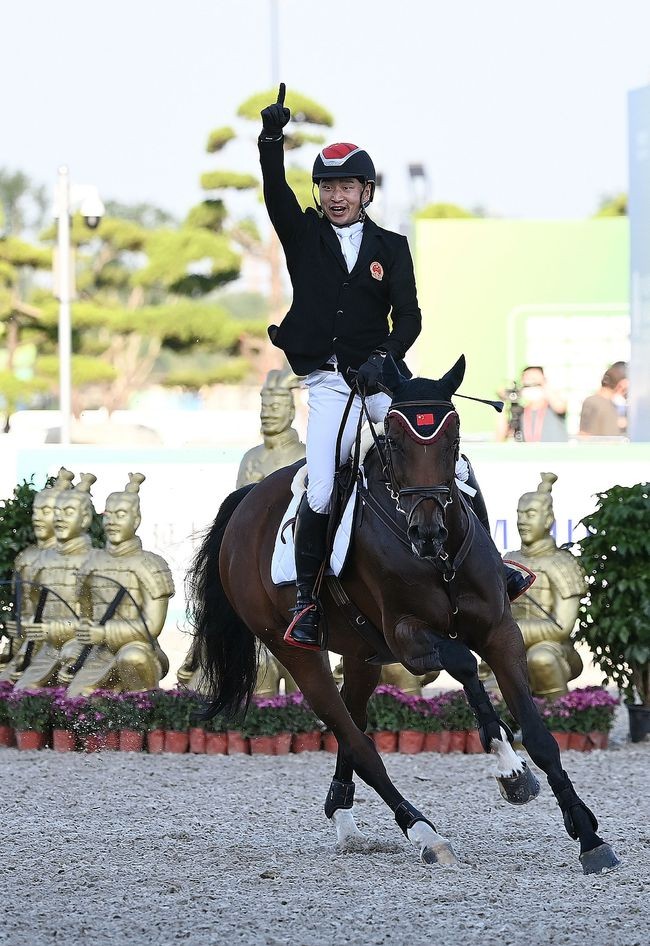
[344,159]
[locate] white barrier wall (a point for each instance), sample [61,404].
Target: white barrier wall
[184,488]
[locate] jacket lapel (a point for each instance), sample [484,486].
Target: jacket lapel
[333,243]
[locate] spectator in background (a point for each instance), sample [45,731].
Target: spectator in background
[603,413]
[537,413]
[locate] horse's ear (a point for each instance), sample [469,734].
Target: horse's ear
[453,379]
[391,376]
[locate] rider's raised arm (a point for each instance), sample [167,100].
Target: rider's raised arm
[281,203]
[405,316]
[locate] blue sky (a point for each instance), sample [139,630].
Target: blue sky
[513,104]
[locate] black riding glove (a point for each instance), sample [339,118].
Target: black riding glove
[370,373]
[276,116]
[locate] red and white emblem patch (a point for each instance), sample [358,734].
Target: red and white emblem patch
[423,420]
[377,270]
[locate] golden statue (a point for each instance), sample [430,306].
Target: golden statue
[282,445]
[26,565]
[547,613]
[57,572]
[124,593]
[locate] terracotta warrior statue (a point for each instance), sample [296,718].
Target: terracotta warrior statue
[548,611]
[57,571]
[26,594]
[124,593]
[281,445]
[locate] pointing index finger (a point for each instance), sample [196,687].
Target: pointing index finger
[281,93]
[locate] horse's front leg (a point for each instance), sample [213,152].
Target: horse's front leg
[506,656]
[313,675]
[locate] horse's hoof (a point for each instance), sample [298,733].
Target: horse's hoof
[440,854]
[599,860]
[520,788]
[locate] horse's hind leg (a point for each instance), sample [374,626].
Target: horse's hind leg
[359,682]
[313,675]
[580,823]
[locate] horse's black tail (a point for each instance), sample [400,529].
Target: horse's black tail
[225,647]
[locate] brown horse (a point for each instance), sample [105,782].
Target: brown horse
[425,572]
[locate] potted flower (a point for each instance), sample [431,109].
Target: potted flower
[615,613]
[384,711]
[302,723]
[30,715]
[436,738]
[557,718]
[179,706]
[197,727]
[157,720]
[65,710]
[411,720]
[216,737]
[133,712]
[260,726]
[276,716]
[591,716]
[6,729]
[457,718]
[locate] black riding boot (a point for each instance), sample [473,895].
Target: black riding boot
[310,548]
[516,582]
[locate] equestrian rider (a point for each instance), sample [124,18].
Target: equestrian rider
[348,275]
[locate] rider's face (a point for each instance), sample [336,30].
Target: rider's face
[340,198]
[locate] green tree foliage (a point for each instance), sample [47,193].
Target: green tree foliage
[615,615]
[303,109]
[613,206]
[444,212]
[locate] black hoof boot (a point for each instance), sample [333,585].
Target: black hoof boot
[518,579]
[520,788]
[600,860]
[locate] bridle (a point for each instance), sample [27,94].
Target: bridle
[405,412]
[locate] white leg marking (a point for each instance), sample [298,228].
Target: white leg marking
[507,760]
[432,847]
[346,828]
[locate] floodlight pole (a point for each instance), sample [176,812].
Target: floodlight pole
[64,293]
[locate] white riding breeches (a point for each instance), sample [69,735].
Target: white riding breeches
[328,395]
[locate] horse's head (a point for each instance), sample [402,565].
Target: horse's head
[422,439]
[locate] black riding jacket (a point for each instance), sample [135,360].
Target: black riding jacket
[334,311]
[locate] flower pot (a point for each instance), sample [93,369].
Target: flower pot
[261,745]
[30,739]
[156,740]
[639,718]
[562,739]
[385,740]
[216,743]
[306,741]
[330,743]
[131,740]
[473,742]
[176,741]
[409,741]
[457,740]
[282,743]
[578,741]
[237,744]
[95,742]
[445,741]
[6,737]
[597,740]
[63,740]
[197,740]
[112,740]
[433,741]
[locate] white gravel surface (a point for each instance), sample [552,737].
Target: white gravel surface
[137,849]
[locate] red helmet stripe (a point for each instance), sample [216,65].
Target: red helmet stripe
[337,154]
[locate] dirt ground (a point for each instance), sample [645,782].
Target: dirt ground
[137,849]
